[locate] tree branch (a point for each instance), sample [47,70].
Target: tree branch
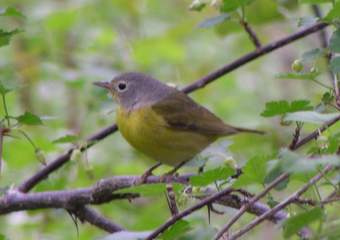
[315,134]
[245,207]
[282,204]
[251,33]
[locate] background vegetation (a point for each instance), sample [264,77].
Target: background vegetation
[51,52]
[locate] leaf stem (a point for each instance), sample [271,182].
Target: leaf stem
[6,110]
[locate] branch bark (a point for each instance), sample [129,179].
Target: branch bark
[292,198]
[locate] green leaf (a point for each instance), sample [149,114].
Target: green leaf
[5,36]
[210,176]
[292,162]
[334,13]
[232,5]
[210,22]
[275,108]
[312,55]
[11,12]
[334,43]
[335,65]
[66,139]
[298,75]
[293,224]
[176,230]
[29,119]
[253,172]
[299,105]
[275,170]
[310,117]
[4,89]
[282,107]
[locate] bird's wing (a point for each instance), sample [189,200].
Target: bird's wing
[181,113]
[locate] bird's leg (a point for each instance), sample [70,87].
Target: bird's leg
[148,172]
[173,171]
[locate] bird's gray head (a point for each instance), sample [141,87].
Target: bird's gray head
[134,90]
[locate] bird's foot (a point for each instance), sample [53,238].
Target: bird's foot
[143,179]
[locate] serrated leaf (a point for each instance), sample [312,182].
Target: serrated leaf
[5,36]
[335,65]
[127,235]
[334,13]
[232,5]
[66,139]
[299,105]
[334,43]
[253,172]
[298,75]
[29,119]
[210,176]
[310,117]
[176,230]
[275,108]
[293,224]
[11,12]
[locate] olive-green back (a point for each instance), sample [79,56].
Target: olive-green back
[183,114]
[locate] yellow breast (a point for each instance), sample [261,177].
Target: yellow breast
[149,133]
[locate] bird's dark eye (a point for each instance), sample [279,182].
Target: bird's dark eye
[122,86]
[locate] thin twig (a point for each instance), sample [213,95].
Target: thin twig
[171,199]
[281,205]
[62,159]
[94,218]
[188,211]
[251,33]
[316,133]
[2,133]
[296,136]
[253,55]
[245,207]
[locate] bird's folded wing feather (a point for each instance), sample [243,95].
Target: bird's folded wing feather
[181,113]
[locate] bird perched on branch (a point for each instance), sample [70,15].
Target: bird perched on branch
[163,122]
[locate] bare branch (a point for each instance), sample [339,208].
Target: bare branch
[244,208]
[282,204]
[94,218]
[316,133]
[188,211]
[251,33]
[62,159]
[253,55]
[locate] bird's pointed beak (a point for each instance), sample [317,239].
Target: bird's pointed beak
[105,85]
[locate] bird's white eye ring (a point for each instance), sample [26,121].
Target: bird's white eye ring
[122,86]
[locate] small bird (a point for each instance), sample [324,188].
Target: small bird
[163,122]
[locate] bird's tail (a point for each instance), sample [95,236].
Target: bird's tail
[249,130]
